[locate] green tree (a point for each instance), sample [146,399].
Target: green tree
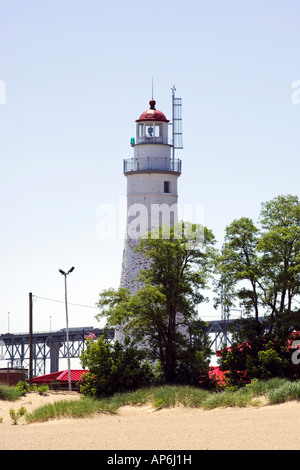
[162,315]
[279,246]
[260,267]
[239,267]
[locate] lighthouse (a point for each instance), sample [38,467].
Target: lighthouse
[152,190]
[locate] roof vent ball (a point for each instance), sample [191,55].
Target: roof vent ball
[152,103]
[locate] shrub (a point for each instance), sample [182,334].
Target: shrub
[258,352]
[16,415]
[113,368]
[41,389]
[22,387]
[271,364]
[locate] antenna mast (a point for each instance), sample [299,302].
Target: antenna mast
[177,123]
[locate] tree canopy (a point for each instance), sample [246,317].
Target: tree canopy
[259,266]
[162,315]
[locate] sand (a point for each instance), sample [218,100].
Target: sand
[144,428]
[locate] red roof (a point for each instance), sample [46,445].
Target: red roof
[152,114]
[75,375]
[61,376]
[45,378]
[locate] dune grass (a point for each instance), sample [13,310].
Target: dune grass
[273,391]
[162,397]
[287,391]
[158,397]
[80,408]
[9,393]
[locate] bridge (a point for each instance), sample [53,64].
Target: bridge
[51,346]
[48,347]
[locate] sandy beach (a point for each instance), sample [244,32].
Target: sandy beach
[143,428]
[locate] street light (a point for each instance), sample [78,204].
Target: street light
[67,328]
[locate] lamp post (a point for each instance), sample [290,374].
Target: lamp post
[67,328]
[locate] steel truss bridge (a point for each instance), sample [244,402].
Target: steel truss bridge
[218,330]
[51,346]
[48,346]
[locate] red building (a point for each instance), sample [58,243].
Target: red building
[61,378]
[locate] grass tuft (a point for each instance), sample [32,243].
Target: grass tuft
[240,398]
[70,409]
[286,392]
[9,393]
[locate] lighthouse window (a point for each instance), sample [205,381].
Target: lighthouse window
[166,186]
[158,130]
[141,130]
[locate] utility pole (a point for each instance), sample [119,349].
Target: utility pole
[30,339]
[67,327]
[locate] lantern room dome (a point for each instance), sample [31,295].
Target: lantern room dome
[152,114]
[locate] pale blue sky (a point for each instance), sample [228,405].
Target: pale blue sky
[78,74]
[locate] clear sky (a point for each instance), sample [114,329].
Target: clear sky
[74,77]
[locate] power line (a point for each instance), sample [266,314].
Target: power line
[61,301]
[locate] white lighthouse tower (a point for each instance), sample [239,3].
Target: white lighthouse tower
[152,175]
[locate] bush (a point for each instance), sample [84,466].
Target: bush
[258,353]
[16,415]
[193,369]
[271,364]
[9,393]
[113,368]
[24,387]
